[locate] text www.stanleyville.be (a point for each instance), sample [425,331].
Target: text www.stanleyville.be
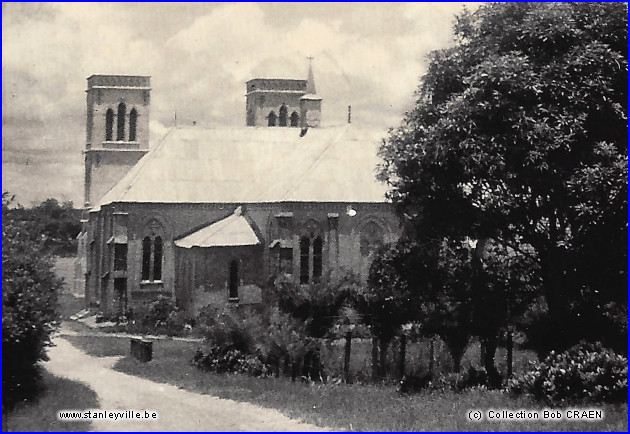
[98,414]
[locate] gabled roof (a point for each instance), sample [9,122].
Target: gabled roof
[256,165]
[233,230]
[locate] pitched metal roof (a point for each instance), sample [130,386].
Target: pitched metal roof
[256,165]
[233,230]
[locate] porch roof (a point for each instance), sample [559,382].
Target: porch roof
[233,230]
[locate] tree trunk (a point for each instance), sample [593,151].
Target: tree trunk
[384,344]
[374,358]
[432,355]
[494,378]
[294,369]
[457,362]
[401,357]
[510,348]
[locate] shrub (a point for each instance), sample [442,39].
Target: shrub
[240,329]
[230,361]
[584,373]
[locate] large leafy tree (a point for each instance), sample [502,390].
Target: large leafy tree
[519,134]
[29,302]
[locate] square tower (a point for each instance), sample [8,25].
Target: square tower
[274,102]
[117,130]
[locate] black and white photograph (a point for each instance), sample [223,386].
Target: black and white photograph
[305,216]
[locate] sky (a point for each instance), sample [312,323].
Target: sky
[199,56]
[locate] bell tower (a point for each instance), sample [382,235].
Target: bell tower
[117,130]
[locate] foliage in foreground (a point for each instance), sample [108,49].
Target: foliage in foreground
[29,299]
[519,134]
[585,373]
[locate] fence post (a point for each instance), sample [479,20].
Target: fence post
[346,357]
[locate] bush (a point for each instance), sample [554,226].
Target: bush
[29,299]
[230,361]
[582,374]
[235,328]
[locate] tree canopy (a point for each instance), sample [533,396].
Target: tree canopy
[519,133]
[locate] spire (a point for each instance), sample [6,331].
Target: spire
[310,81]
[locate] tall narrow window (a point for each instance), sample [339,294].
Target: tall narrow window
[271,119]
[157,258]
[233,282]
[146,258]
[109,125]
[122,114]
[295,119]
[305,244]
[318,247]
[120,257]
[133,120]
[283,116]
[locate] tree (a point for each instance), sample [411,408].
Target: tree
[29,298]
[56,224]
[385,302]
[519,134]
[317,307]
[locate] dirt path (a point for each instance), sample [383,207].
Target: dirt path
[178,410]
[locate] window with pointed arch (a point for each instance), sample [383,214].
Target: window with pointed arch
[152,253]
[283,116]
[295,119]
[120,125]
[271,119]
[109,125]
[133,124]
[311,254]
[372,238]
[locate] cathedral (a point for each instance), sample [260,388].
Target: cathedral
[212,215]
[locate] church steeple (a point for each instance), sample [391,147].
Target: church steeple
[310,103]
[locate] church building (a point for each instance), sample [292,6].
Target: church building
[212,215]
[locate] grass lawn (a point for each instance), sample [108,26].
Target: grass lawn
[343,407]
[41,413]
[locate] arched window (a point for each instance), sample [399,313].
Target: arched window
[233,281]
[157,258]
[109,125]
[295,119]
[271,119]
[152,254]
[311,253]
[371,238]
[133,121]
[122,113]
[305,244]
[283,116]
[146,258]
